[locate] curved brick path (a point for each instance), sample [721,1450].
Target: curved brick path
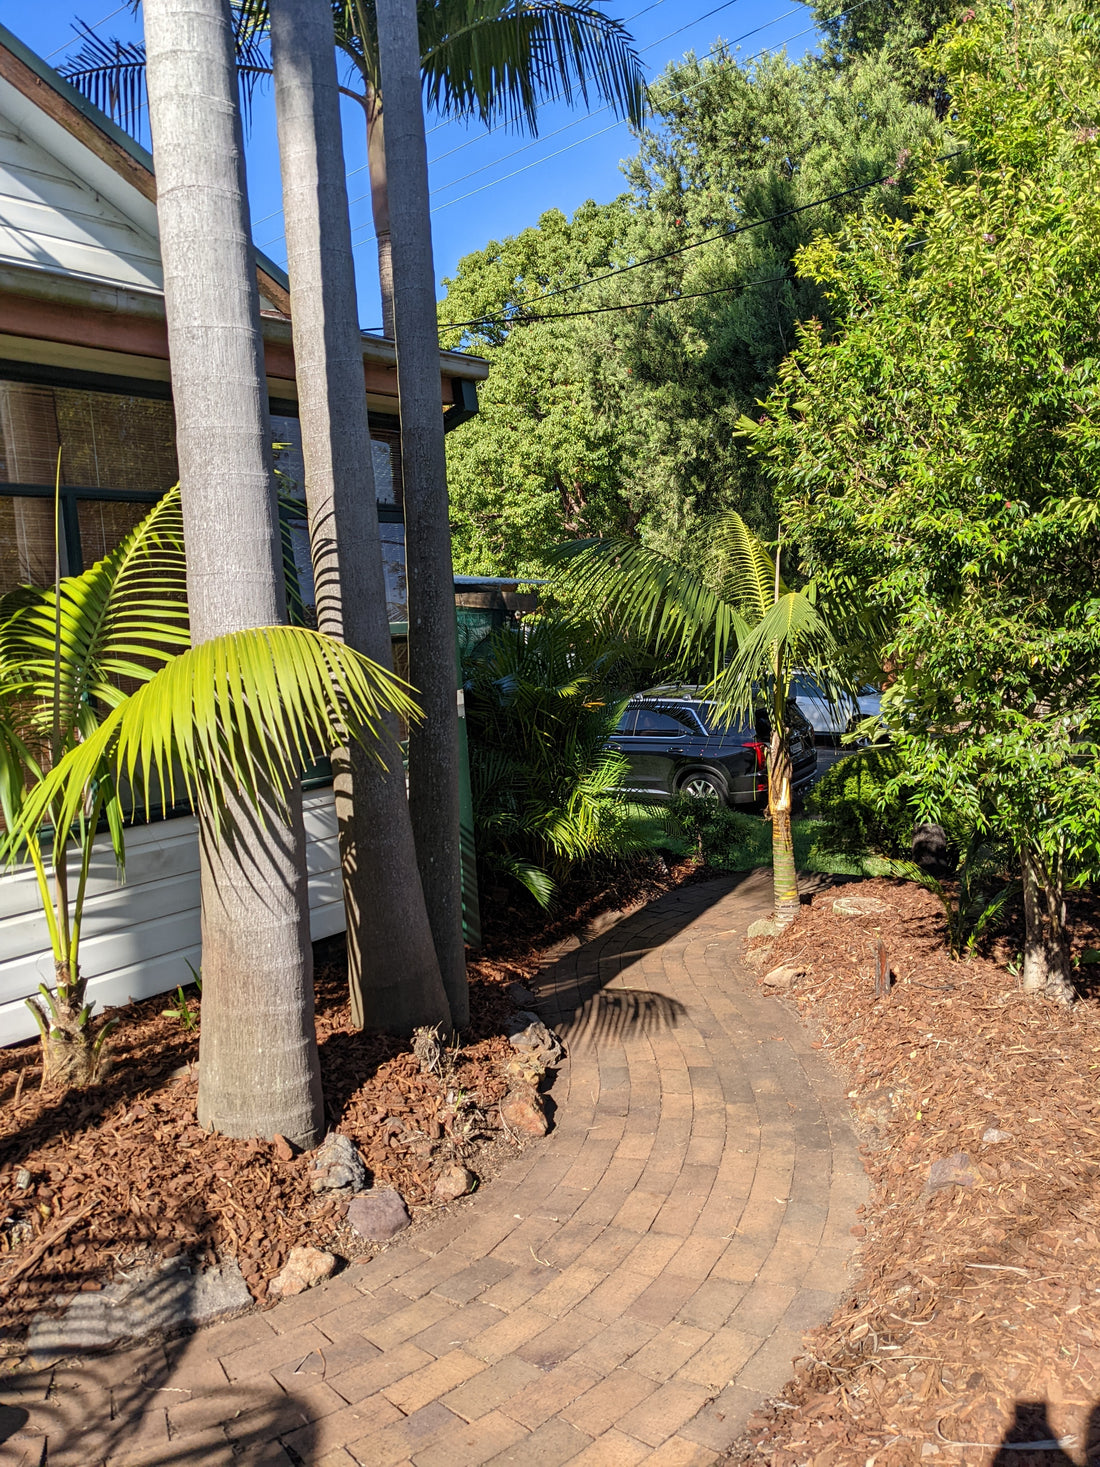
[625,1292]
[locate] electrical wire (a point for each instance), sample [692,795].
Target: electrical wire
[68,44]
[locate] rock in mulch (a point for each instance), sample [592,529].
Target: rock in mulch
[168,1296]
[522,1111]
[859,906]
[379,1214]
[282,1148]
[956,1170]
[305,1267]
[763,927]
[992,1136]
[760,957]
[453,1182]
[785,976]
[337,1166]
[520,994]
[529,1035]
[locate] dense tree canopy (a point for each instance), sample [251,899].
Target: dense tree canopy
[624,421]
[944,445]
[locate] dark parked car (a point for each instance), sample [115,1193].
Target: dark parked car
[675,744]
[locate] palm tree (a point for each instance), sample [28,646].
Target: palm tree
[434,750]
[493,60]
[393,971]
[257,958]
[731,614]
[76,747]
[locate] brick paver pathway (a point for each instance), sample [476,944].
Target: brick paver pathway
[625,1292]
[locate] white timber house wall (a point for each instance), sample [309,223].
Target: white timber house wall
[141,937]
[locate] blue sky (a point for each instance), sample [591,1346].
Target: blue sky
[484,185]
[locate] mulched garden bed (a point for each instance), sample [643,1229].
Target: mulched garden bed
[975,1319]
[121,1174]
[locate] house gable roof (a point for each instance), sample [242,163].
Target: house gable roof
[77,194]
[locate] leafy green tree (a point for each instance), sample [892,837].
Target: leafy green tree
[81,744]
[625,421]
[944,445]
[730,613]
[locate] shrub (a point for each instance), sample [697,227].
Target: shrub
[859,814]
[716,832]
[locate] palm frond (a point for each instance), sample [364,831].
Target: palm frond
[740,568]
[497,60]
[791,633]
[659,599]
[235,718]
[122,618]
[111,73]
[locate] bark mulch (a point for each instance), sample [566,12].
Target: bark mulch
[974,1324]
[115,1176]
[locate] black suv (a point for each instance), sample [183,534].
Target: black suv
[675,744]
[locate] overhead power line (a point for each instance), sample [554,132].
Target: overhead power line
[522,316]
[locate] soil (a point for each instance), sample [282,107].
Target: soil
[121,1173]
[973,1327]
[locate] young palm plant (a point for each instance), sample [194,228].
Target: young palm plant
[104,712]
[730,616]
[493,60]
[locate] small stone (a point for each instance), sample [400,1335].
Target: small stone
[337,1166]
[520,994]
[784,976]
[759,957]
[378,1214]
[992,1135]
[529,1035]
[955,1170]
[876,1107]
[453,1182]
[763,927]
[859,906]
[22,1179]
[305,1267]
[522,1111]
[282,1148]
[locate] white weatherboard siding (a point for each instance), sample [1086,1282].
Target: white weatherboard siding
[139,937]
[65,211]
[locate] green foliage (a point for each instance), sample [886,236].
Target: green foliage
[624,422]
[717,833]
[542,700]
[975,903]
[945,446]
[101,698]
[859,807]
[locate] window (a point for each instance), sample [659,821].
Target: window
[625,724]
[677,721]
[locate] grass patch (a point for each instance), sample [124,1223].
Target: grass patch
[651,824]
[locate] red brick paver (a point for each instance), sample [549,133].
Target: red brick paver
[626,1292]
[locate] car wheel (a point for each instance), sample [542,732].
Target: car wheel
[702,786]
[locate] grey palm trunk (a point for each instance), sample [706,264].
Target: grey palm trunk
[393,971]
[259,1073]
[433,744]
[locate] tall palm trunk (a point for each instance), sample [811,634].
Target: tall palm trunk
[784,874]
[434,744]
[258,1072]
[392,967]
[380,205]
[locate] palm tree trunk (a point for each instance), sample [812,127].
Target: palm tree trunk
[784,873]
[258,1072]
[433,745]
[380,205]
[392,967]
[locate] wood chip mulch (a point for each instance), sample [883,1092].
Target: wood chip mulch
[974,1324]
[121,1174]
